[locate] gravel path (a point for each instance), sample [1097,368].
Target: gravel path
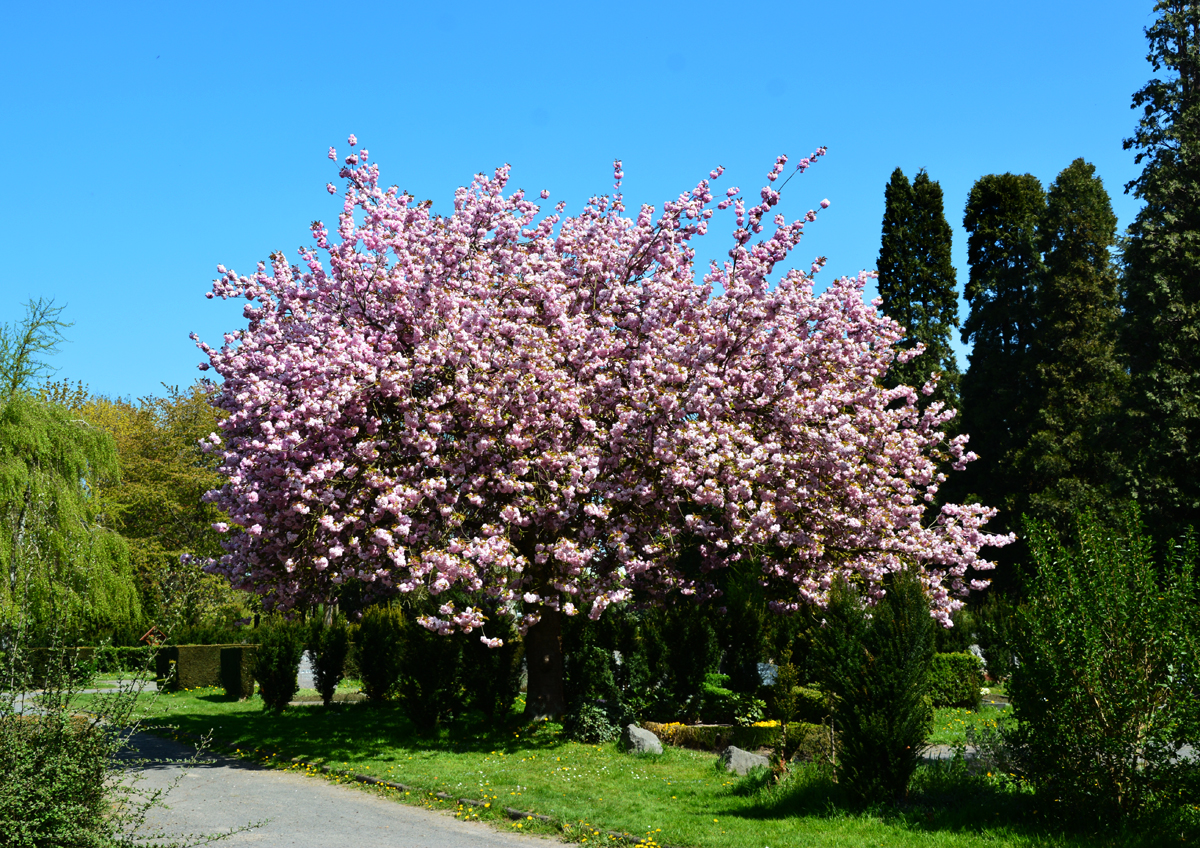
[220,793]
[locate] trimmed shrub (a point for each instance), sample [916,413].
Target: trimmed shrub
[188,666]
[1106,688]
[430,683]
[379,651]
[277,663]
[876,669]
[237,670]
[328,646]
[955,680]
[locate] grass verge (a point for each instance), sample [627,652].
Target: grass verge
[678,799]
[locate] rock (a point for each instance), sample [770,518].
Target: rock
[637,740]
[740,762]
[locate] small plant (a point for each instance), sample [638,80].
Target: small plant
[277,663]
[875,665]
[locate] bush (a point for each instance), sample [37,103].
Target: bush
[64,784]
[955,680]
[277,663]
[1105,690]
[54,772]
[328,646]
[593,702]
[378,651]
[492,676]
[430,683]
[876,669]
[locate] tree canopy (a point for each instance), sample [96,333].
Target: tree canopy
[63,570]
[551,411]
[917,283]
[1160,336]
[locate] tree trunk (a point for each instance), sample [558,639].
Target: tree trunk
[544,696]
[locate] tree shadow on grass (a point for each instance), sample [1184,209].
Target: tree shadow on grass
[357,730]
[944,796]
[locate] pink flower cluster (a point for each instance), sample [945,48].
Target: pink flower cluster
[547,410]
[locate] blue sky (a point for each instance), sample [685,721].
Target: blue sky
[148,142]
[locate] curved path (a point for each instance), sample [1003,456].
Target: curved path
[220,793]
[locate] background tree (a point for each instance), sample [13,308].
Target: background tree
[1002,218]
[157,504]
[1160,335]
[917,283]
[62,570]
[1068,464]
[547,412]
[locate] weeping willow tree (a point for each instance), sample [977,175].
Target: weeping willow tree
[62,570]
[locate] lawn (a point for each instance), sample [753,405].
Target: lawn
[678,799]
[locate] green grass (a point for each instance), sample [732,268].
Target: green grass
[950,724]
[678,799]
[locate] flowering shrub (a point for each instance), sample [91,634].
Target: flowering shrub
[544,410]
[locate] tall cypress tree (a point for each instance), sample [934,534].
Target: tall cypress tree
[1068,461]
[1160,335]
[1002,217]
[917,282]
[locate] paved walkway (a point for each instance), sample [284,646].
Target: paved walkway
[220,793]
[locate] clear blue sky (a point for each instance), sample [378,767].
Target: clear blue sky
[148,142]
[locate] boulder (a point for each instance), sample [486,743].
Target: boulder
[740,762]
[637,740]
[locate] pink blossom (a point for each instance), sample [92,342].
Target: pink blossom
[545,410]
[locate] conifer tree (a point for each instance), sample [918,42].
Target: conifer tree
[917,282]
[1002,217]
[1067,463]
[1160,336]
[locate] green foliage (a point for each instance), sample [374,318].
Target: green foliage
[682,650]
[590,723]
[277,662]
[157,503]
[593,700]
[996,621]
[328,645]
[955,680]
[1160,335]
[1002,219]
[63,570]
[491,677]
[875,663]
[917,283]
[378,646]
[430,685]
[1106,686]
[783,699]
[1069,462]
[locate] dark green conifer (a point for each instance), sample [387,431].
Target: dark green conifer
[1002,217]
[1068,464]
[917,282]
[1160,336]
